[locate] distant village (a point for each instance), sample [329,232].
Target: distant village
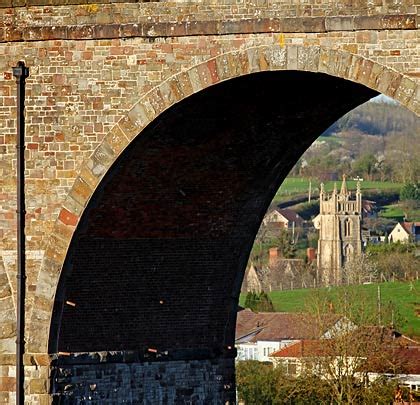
[341,234]
[298,342]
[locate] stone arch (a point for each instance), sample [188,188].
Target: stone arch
[176,88]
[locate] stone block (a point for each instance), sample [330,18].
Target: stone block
[324,61]
[365,71]
[89,178]
[7,330]
[137,119]
[414,102]
[223,68]
[99,163]
[253,58]
[308,58]
[204,75]
[7,359]
[276,57]
[395,22]
[128,127]
[355,65]
[372,22]
[67,217]
[116,140]
[374,75]
[38,386]
[195,80]
[185,84]
[243,62]
[7,384]
[262,60]
[201,27]
[166,99]
[405,90]
[5,290]
[342,23]
[388,82]
[102,31]
[40,359]
[8,345]
[81,191]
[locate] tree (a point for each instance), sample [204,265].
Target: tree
[286,245]
[394,260]
[359,270]
[365,166]
[255,382]
[410,191]
[353,347]
[259,302]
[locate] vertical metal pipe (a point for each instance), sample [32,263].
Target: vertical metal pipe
[21,73]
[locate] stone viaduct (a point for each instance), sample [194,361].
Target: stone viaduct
[157,134]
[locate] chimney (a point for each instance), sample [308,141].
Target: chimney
[273,256]
[311,254]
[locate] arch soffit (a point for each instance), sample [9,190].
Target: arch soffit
[174,89]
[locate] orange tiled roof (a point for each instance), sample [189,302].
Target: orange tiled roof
[303,348]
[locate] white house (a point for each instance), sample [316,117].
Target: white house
[405,232]
[259,334]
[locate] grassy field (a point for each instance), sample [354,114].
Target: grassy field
[392,212]
[298,185]
[396,212]
[404,296]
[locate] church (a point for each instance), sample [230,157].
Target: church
[339,225]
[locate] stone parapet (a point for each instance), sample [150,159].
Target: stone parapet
[151,30]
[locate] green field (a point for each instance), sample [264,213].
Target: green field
[298,185]
[392,212]
[405,297]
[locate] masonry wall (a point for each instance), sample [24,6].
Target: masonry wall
[100,73]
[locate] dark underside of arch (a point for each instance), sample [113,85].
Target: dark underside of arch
[158,258]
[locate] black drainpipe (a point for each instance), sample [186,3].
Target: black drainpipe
[21,73]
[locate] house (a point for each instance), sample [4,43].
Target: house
[283,218]
[396,357]
[405,232]
[258,334]
[279,273]
[369,238]
[311,356]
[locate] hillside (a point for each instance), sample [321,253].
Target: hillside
[376,141]
[403,297]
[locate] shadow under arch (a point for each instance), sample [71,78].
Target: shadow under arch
[180,87]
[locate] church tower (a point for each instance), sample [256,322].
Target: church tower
[339,224]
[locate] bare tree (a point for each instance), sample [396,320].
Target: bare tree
[359,270]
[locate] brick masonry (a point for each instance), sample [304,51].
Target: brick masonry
[151,383]
[100,73]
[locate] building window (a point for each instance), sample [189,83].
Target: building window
[291,367]
[347,227]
